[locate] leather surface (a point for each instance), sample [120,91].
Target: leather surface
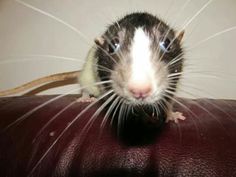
[202,145]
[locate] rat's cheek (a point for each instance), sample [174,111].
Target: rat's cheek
[161,80]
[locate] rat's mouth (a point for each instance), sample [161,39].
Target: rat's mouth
[150,101]
[150,113]
[144,108]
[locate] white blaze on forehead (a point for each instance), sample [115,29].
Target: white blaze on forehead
[141,66]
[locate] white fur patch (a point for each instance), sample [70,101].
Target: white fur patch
[141,57]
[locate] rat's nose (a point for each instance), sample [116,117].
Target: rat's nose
[140,91]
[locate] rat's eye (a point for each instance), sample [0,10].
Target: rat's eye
[165,45]
[113,45]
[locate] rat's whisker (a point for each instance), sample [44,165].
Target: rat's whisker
[163,105]
[120,118]
[26,115]
[177,16]
[103,68]
[52,119]
[128,108]
[159,103]
[64,76]
[209,95]
[116,109]
[173,84]
[186,25]
[170,5]
[174,74]
[199,73]
[173,80]
[175,60]
[43,57]
[119,53]
[209,113]
[163,54]
[197,14]
[99,110]
[111,108]
[56,57]
[107,53]
[53,17]
[188,110]
[211,37]
[203,91]
[155,108]
[92,119]
[178,102]
[126,112]
[211,103]
[65,130]
[107,38]
[190,72]
[182,9]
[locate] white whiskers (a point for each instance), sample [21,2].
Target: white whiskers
[54,18]
[52,119]
[42,57]
[197,14]
[212,37]
[65,130]
[26,115]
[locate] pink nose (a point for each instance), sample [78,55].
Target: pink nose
[140,91]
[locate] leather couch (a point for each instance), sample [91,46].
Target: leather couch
[37,143]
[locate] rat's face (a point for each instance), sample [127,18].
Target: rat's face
[145,58]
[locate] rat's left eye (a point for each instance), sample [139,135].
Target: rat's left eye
[113,45]
[165,45]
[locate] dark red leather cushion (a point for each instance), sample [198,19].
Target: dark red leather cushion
[202,145]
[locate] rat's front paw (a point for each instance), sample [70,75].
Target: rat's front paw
[175,116]
[85,98]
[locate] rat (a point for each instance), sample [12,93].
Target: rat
[140,55]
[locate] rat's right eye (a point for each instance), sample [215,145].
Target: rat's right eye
[165,45]
[113,45]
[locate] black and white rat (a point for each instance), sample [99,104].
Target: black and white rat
[140,55]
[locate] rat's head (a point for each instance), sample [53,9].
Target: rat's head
[144,56]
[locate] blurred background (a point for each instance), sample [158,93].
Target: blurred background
[33,45]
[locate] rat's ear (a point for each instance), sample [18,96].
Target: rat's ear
[180,35]
[99,41]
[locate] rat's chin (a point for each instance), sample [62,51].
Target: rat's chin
[140,101]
